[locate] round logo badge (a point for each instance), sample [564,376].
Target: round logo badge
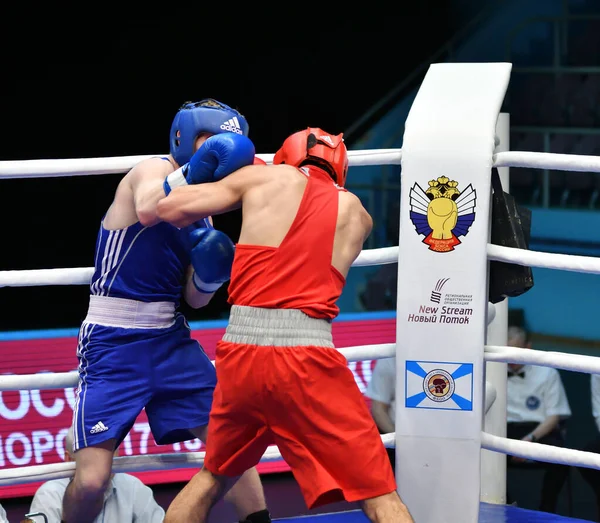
[532,403]
[438,385]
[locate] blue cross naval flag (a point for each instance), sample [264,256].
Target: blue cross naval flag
[439,385]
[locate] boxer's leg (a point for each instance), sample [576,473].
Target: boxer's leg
[111,393]
[184,380]
[84,497]
[245,492]
[244,435]
[194,501]
[333,447]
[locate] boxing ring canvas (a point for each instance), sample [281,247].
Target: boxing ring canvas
[488,513]
[450,342]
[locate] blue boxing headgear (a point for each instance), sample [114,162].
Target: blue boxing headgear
[205,116]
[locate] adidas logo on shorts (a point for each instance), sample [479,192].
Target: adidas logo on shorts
[232,125]
[98,427]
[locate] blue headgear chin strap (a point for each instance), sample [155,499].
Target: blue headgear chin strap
[205,116]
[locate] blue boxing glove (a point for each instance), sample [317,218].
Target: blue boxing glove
[211,256]
[217,157]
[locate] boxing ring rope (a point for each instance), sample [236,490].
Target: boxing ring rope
[83,275]
[120,164]
[366,157]
[493,353]
[540,451]
[544,260]
[558,162]
[368,257]
[132,464]
[59,380]
[556,360]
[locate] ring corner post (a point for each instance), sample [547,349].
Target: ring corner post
[441,317]
[493,464]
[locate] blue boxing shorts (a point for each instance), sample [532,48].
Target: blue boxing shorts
[124,370]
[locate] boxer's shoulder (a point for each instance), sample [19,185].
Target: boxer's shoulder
[149,169]
[351,210]
[351,202]
[162,164]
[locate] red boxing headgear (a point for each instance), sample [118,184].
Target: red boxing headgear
[322,148]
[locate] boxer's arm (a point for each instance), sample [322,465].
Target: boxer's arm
[353,228]
[185,205]
[380,413]
[192,296]
[146,182]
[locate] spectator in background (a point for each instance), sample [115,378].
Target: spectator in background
[536,405]
[592,476]
[382,393]
[126,500]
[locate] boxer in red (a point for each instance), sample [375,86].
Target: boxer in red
[280,379]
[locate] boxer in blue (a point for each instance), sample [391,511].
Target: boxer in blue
[135,350]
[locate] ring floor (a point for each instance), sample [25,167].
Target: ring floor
[487,514]
[287,505]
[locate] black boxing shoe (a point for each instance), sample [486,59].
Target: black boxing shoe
[262,516]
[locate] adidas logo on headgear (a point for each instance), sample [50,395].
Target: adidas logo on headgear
[98,427]
[232,125]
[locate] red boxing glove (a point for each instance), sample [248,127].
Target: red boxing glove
[259,161]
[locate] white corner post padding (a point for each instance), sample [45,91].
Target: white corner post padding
[442,317]
[490,396]
[493,464]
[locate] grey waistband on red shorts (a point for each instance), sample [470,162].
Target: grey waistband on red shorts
[276,328]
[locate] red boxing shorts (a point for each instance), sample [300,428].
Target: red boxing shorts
[306,401]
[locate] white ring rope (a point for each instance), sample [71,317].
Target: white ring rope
[70,166]
[536,160]
[368,257]
[43,277]
[83,275]
[381,256]
[493,353]
[540,451]
[546,260]
[557,360]
[524,449]
[35,473]
[121,164]
[60,380]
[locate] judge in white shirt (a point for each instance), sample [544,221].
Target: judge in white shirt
[381,390]
[536,404]
[126,500]
[592,476]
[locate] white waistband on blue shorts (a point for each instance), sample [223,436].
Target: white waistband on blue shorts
[276,328]
[130,314]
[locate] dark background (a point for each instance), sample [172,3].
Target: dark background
[108,83]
